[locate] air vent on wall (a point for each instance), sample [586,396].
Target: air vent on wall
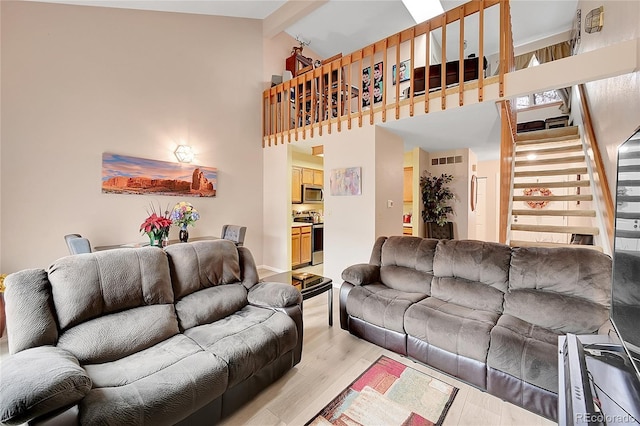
[446,160]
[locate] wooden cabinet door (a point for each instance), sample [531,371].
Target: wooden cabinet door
[407,189]
[305,245]
[295,246]
[307,176]
[318,177]
[296,185]
[407,230]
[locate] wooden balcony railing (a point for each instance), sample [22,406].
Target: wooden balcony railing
[336,93]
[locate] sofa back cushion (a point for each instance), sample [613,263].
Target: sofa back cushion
[474,274]
[207,280]
[112,303]
[407,263]
[563,289]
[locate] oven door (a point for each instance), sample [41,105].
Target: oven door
[317,243]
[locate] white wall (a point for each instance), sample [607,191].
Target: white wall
[614,102]
[79,81]
[389,175]
[491,171]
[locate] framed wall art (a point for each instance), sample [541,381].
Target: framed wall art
[405,71]
[346,181]
[122,174]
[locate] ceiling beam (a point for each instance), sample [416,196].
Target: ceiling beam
[290,12]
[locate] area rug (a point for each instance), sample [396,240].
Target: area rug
[389,393]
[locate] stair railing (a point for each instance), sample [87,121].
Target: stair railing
[604,200]
[507,160]
[319,99]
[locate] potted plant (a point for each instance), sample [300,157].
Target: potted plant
[156,226]
[435,198]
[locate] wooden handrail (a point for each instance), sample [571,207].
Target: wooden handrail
[285,105]
[601,178]
[507,149]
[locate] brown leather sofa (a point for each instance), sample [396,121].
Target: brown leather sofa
[483,312]
[183,335]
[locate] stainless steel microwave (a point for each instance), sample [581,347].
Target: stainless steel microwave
[312,194]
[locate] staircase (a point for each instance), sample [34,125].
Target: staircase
[552,196]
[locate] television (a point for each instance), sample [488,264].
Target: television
[625,291]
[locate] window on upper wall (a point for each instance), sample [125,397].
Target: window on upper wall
[542,98]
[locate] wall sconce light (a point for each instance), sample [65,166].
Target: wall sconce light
[184,153]
[594,20]
[318,150]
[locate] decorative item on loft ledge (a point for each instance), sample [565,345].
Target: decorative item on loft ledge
[132,175]
[184,153]
[157,226]
[182,215]
[435,198]
[594,21]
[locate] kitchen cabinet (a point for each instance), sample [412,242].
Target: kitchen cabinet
[312,176]
[296,185]
[407,230]
[407,189]
[300,245]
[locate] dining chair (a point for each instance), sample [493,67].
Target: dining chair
[234,233]
[77,244]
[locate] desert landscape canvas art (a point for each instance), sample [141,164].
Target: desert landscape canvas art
[122,174]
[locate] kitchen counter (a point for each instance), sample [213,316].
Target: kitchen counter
[407,225]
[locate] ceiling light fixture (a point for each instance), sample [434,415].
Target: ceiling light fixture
[422,10]
[184,153]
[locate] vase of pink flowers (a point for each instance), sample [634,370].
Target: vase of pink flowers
[183,215]
[156,226]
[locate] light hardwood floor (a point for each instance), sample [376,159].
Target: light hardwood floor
[332,358]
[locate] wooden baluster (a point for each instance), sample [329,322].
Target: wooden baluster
[427,68]
[296,109]
[349,63]
[397,79]
[461,62]
[360,67]
[481,52]
[385,70]
[287,102]
[443,64]
[411,65]
[373,51]
[328,98]
[307,95]
[503,46]
[340,86]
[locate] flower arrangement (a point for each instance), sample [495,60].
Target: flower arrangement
[156,226]
[184,214]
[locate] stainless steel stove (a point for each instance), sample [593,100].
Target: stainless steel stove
[317,236]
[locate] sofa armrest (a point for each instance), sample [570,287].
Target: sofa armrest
[274,295]
[361,274]
[38,381]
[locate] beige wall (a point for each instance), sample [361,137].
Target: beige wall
[614,102]
[79,81]
[389,175]
[491,171]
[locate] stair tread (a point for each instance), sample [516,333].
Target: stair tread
[536,212]
[520,243]
[589,230]
[545,151]
[567,184]
[553,172]
[585,197]
[558,132]
[557,160]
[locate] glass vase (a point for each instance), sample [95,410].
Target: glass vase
[184,234]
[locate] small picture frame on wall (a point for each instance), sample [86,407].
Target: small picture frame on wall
[346,181]
[405,71]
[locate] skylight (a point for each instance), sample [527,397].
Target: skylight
[421,10]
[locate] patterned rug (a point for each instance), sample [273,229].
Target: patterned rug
[389,393]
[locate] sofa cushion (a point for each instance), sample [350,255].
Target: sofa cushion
[479,261]
[159,385]
[120,334]
[274,295]
[202,264]
[31,321]
[380,305]
[90,285]
[525,351]
[407,263]
[577,272]
[454,328]
[38,381]
[473,274]
[210,304]
[247,340]
[557,312]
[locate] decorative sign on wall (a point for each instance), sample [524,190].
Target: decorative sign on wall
[346,181]
[132,175]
